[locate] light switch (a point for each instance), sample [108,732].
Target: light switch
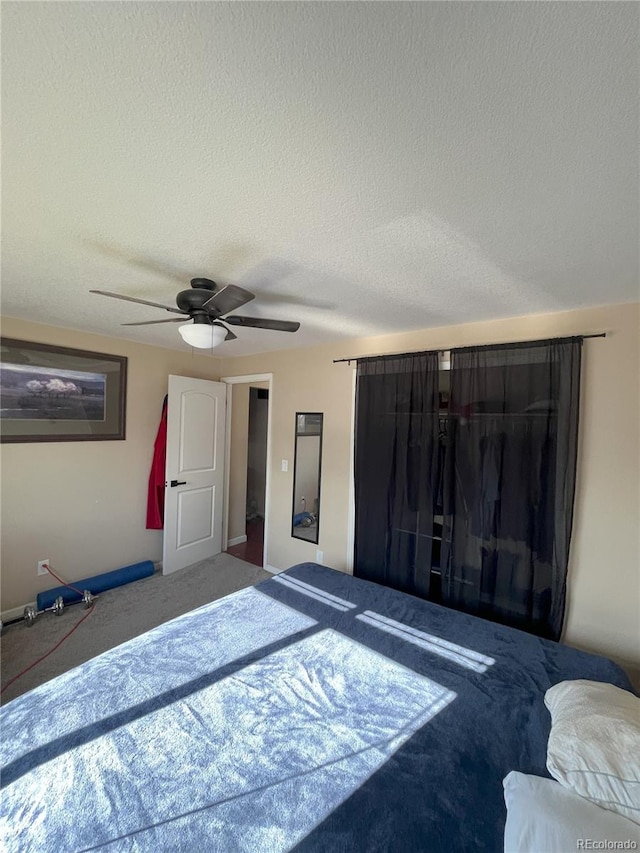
[285,465]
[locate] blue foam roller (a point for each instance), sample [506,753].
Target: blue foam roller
[99,583]
[302,517]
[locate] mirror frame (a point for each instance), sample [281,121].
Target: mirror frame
[296,436]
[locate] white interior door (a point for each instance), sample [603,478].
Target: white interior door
[194,474]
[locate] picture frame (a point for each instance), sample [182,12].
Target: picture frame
[52,393]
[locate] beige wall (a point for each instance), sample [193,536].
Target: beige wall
[83,504]
[604,577]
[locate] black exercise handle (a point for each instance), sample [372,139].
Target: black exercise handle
[175,483]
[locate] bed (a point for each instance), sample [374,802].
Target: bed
[314,711]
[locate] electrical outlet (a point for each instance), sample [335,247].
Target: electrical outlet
[319,556]
[41,567]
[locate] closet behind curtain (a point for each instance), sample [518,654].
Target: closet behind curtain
[396,469]
[510,469]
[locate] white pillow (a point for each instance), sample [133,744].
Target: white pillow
[594,743]
[544,817]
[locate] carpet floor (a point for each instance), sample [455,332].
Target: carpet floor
[119,615]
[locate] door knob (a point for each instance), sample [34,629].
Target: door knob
[175,483]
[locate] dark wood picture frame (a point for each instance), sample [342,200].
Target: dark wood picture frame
[52,393]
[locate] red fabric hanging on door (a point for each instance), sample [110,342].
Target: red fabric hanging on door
[155,496]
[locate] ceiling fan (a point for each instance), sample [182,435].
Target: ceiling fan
[207,305]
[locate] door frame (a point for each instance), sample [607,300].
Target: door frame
[230,381]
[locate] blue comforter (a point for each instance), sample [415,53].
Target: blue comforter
[314,712]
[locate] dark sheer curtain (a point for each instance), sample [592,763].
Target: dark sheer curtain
[510,469]
[396,462]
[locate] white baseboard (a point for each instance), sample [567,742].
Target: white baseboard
[273,570]
[15,612]
[237,540]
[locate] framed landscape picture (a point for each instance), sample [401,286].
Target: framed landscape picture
[50,393]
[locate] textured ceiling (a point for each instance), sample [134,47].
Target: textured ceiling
[363,167]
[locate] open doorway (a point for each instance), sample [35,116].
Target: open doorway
[248,410]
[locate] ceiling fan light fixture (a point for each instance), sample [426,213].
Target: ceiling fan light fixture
[202,335]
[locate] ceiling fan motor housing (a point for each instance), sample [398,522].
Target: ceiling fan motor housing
[204,284]
[194,299]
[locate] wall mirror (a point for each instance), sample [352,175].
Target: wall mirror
[306,476]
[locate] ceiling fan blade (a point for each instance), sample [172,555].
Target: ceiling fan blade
[263,323]
[153,322]
[135,299]
[230,335]
[227,299]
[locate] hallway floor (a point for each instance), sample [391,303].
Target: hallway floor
[251,551]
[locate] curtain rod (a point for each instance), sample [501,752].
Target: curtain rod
[361,357]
